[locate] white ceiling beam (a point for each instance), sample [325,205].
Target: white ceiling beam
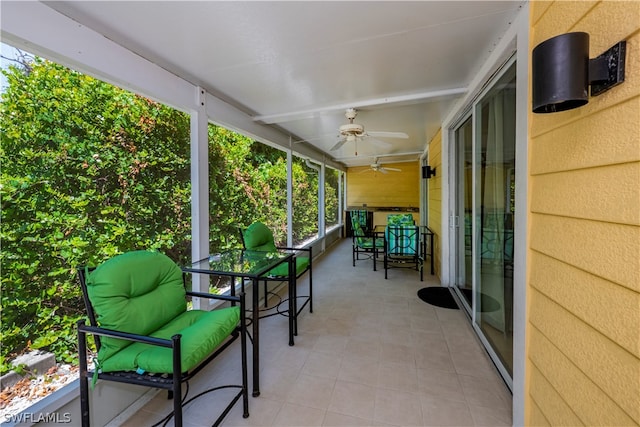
[231,118]
[366,156]
[299,114]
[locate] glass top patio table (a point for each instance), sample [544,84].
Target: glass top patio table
[251,265]
[240,263]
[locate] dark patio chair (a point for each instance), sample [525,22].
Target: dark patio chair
[402,248]
[137,311]
[365,242]
[258,237]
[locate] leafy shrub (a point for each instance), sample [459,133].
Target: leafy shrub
[90,171]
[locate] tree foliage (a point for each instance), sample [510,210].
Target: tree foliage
[84,177]
[90,171]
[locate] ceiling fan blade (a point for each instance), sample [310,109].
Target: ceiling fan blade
[382,134]
[383,170]
[379,143]
[315,138]
[393,169]
[338,145]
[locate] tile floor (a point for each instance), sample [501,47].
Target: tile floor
[371,354]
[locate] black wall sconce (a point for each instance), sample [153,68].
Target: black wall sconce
[562,72]
[428,172]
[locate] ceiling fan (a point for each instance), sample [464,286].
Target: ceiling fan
[377,167]
[353,132]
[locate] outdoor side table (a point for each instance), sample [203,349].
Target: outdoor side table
[252,265]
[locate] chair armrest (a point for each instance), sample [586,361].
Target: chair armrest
[96,330]
[309,249]
[238,298]
[216,296]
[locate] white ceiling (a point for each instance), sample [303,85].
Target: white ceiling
[298,65]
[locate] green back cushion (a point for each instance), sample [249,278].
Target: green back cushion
[258,237]
[357,229]
[400,219]
[135,292]
[360,216]
[402,240]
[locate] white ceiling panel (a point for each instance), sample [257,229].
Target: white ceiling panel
[279,58]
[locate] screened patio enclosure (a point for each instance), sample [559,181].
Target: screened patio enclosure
[284,73]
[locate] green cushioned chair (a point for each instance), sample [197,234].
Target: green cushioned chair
[364,243]
[258,237]
[402,248]
[137,311]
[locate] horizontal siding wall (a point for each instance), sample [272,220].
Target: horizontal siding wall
[435,199]
[583,330]
[401,189]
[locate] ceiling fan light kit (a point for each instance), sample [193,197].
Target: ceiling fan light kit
[351,132]
[377,167]
[352,129]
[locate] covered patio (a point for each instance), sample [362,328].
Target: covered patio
[371,353]
[429,78]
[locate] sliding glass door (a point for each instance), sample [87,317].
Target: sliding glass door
[484,176]
[463,205]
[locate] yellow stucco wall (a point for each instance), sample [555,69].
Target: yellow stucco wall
[435,199]
[583,290]
[400,189]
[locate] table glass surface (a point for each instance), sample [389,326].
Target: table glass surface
[241,262]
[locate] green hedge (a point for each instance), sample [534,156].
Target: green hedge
[89,171]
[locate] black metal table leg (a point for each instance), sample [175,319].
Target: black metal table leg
[256,338]
[292,300]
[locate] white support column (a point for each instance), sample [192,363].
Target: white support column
[289,198]
[321,202]
[522,207]
[343,194]
[199,191]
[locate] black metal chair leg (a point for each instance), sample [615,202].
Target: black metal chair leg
[243,351]
[177,389]
[84,381]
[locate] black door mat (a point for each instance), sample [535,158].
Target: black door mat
[438,296]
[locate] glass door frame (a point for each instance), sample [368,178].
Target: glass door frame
[455,222]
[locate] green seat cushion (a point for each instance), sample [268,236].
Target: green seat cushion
[202,331]
[367,242]
[282,270]
[258,237]
[136,292]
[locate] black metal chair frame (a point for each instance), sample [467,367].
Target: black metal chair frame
[394,260]
[293,290]
[371,253]
[173,382]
